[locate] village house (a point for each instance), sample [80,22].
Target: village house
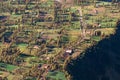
[67,53]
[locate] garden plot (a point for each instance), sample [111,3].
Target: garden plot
[7,67]
[56,75]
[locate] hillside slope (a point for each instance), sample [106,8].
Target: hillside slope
[100,62]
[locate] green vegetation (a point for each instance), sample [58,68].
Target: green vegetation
[41,36]
[96,38]
[8,67]
[56,75]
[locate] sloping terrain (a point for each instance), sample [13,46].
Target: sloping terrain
[100,62]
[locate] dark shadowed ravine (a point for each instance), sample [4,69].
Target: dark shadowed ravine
[100,62]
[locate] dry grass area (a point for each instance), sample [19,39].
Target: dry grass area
[92,10]
[4,74]
[75,32]
[107,31]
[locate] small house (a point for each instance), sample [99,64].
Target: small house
[67,53]
[36,47]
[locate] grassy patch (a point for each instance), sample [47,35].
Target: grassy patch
[57,75]
[22,46]
[96,38]
[8,67]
